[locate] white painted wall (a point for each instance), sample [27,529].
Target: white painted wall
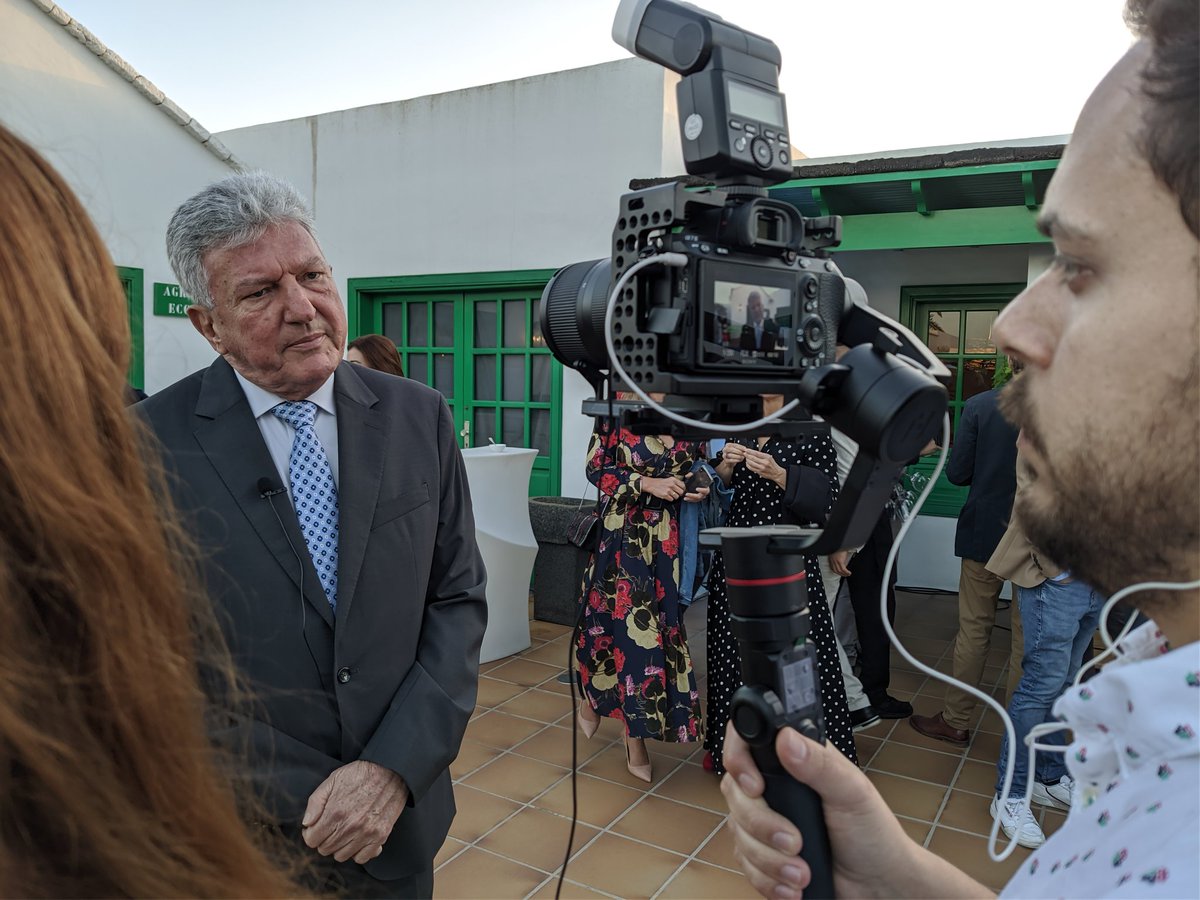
[518,175]
[129,163]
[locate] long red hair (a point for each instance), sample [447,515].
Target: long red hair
[108,783]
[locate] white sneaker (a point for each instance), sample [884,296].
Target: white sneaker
[1016,819]
[1056,795]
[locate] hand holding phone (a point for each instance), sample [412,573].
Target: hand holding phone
[696,481]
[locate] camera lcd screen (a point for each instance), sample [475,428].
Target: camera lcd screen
[752,103]
[746,324]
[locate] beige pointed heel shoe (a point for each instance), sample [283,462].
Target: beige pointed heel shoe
[640,771]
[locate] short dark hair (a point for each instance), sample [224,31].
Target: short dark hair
[379,352]
[1170,136]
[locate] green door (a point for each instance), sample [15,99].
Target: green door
[484,352]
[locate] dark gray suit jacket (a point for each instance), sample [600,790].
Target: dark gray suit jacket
[394,681]
[984,456]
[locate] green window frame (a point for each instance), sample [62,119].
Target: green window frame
[133,281]
[497,375]
[964,314]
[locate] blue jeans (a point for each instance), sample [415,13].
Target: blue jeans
[1059,620]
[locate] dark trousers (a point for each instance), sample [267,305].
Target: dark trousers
[326,877]
[866,576]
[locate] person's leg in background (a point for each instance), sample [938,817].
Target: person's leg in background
[875,659]
[1052,614]
[978,594]
[862,714]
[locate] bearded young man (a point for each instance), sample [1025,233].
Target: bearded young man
[1109,340]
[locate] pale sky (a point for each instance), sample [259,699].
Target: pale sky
[860,75]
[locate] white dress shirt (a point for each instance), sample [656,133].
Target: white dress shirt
[279,435]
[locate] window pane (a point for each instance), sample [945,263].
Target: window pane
[977,376]
[513,422]
[539,426]
[485,377]
[514,376]
[485,324]
[417,367]
[484,428]
[979,331]
[418,317]
[943,331]
[540,391]
[393,322]
[443,374]
[514,323]
[537,340]
[443,324]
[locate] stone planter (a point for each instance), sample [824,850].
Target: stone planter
[558,569]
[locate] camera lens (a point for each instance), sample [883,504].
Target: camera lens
[572,313]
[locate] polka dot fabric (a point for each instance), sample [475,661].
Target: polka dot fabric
[313,492]
[757,501]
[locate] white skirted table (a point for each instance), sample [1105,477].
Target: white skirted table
[499,480]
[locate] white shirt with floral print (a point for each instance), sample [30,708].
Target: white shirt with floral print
[1134,830]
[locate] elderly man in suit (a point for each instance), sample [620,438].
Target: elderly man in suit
[760,331]
[984,456]
[332,511]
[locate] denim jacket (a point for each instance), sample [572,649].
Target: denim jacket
[693,518]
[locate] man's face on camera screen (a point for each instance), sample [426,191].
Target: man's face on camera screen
[1109,403]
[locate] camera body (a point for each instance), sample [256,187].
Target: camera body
[754,308]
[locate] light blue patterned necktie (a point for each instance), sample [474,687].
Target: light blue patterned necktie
[313,492]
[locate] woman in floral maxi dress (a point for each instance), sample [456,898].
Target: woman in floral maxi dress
[633,657]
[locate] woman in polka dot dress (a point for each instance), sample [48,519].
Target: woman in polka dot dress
[756,469]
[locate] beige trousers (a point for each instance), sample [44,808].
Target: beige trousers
[978,596]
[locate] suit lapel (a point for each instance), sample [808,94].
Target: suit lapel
[362,448]
[230,438]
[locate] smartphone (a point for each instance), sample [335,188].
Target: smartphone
[698,479]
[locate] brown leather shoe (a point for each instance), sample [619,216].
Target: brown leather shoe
[936,728]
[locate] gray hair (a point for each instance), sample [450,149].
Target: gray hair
[229,213]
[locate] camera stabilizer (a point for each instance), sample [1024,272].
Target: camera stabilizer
[720,296]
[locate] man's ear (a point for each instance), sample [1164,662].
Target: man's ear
[202,320]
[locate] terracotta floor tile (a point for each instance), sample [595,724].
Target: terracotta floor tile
[526,672]
[486,667]
[536,838]
[599,801]
[977,777]
[916,762]
[969,853]
[932,688]
[719,849]
[553,745]
[547,631]
[699,880]
[570,891]
[451,847]
[1051,819]
[555,686]
[471,756]
[692,750]
[551,653]
[908,798]
[985,747]
[867,746]
[492,692]
[915,829]
[611,765]
[478,813]
[495,729]
[990,721]
[904,680]
[515,777]
[667,824]
[967,812]
[623,867]
[474,873]
[545,706]
[692,785]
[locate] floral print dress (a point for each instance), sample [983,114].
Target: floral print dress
[634,663]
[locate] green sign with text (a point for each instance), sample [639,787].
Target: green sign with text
[168,301]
